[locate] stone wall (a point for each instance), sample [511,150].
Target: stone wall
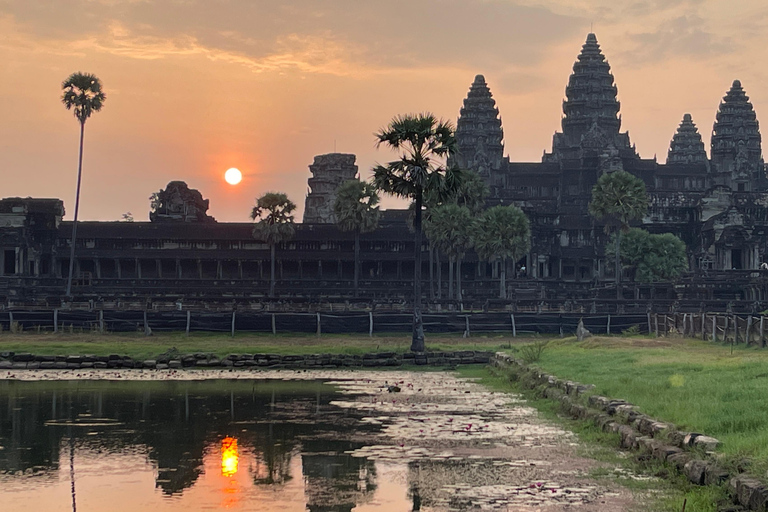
[27,361]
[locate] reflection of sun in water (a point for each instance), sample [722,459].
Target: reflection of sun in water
[233,176]
[229,456]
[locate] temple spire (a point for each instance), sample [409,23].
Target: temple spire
[686,146]
[736,141]
[478,131]
[591,109]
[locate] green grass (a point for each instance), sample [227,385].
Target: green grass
[699,386]
[665,493]
[142,347]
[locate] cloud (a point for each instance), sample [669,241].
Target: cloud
[311,35]
[681,36]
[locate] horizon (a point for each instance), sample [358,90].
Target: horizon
[193,90]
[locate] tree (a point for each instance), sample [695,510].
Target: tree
[424,144]
[450,228]
[356,209]
[620,198]
[275,225]
[653,257]
[502,233]
[83,95]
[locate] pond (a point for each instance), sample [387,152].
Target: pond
[290,441]
[183,446]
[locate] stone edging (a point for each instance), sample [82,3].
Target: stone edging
[27,361]
[660,440]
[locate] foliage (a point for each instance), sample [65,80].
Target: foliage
[82,94]
[618,196]
[356,207]
[424,143]
[273,212]
[155,201]
[502,232]
[450,228]
[532,352]
[654,257]
[127,217]
[632,330]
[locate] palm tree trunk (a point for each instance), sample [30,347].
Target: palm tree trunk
[272,271]
[618,264]
[357,259]
[503,279]
[431,272]
[458,278]
[450,278]
[417,343]
[72,471]
[439,274]
[77,208]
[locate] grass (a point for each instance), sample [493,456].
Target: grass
[697,385]
[139,346]
[665,493]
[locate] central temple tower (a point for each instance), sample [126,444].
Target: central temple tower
[591,120]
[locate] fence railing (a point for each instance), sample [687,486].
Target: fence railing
[733,328]
[367,323]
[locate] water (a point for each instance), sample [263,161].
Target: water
[267,445]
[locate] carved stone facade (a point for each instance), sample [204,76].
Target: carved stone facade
[328,172]
[179,203]
[718,207]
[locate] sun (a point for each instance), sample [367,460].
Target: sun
[233,176]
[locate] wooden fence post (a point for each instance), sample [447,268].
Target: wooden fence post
[656,318]
[762,332]
[370,324]
[189,317]
[714,328]
[101,320]
[608,326]
[55,320]
[649,323]
[233,324]
[274,327]
[703,326]
[685,324]
[725,328]
[749,328]
[319,331]
[466,329]
[514,327]
[146,324]
[735,329]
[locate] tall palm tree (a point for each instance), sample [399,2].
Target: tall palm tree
[502,233]
[356,209]
[424,144]
[82,94]
[275,225]
[450,228]
[621,198]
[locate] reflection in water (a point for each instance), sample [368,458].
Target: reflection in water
[119,434]
[229,456]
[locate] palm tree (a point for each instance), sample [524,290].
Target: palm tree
[424,143]
[275,225]
[622,198]
[503,232]
[356,209]
[83,95]
[450,228]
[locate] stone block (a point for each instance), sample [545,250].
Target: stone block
[628,437]
[679,460]
[87,365]
[100,364]
[161,366]
[695,471]
[60,365]
[175,364]
[6,365]
[149,363]
[715,475]
[22,357]
[706,442]
[46,365]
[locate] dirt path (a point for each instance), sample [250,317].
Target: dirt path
[461,446]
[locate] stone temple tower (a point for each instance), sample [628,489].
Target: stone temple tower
[687,147]
[328,172]
[737,159]
[591,120]
[478,131]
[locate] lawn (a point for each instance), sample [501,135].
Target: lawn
[697,385]
[142,347]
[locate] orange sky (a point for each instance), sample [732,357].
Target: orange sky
[197,86]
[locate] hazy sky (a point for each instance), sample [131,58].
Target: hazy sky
[197,86]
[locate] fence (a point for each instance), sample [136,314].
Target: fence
[748,329]
[321,323]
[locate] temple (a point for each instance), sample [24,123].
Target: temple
[717,204]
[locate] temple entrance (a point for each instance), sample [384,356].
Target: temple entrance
[736,259]
[9,262]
